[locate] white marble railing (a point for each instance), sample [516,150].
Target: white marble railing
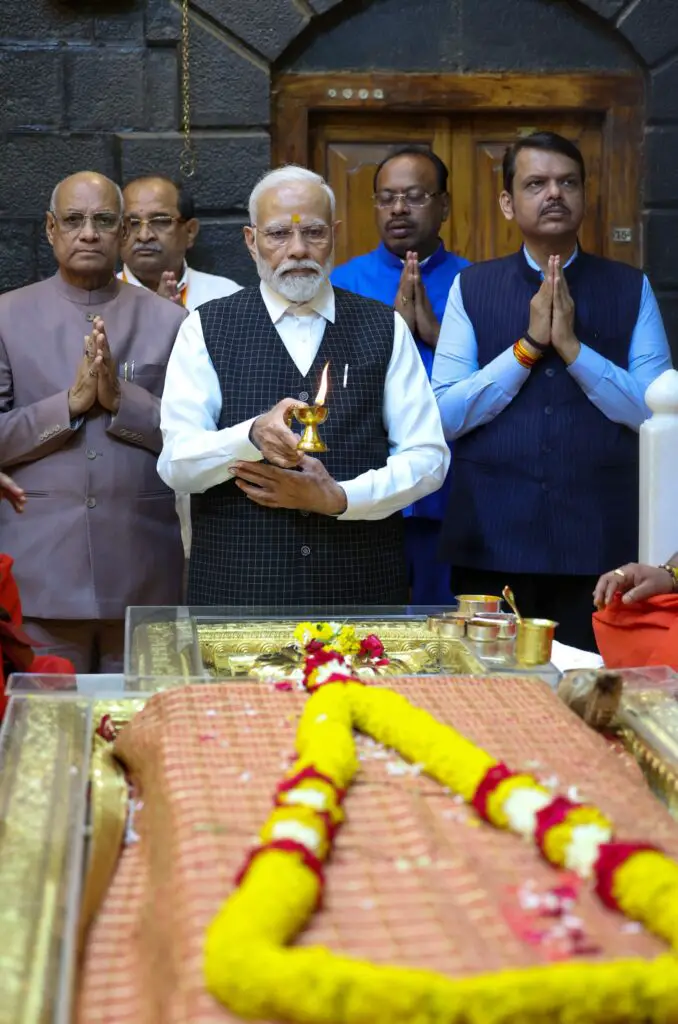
[658,538]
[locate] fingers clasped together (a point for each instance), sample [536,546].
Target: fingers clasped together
[97,376]
[413,303]
[169,287]
[552,313]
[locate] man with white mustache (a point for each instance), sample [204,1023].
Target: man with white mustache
[272,526]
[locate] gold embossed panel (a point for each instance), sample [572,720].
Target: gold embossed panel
[264,649]
[649,720]
[45,761]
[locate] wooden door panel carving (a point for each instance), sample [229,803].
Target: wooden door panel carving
[344,125]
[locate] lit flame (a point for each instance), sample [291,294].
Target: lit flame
[322,390]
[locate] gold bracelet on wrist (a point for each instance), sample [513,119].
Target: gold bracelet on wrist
[523,355]
[672,570]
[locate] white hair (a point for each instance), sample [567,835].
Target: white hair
[118,190]
[283,176]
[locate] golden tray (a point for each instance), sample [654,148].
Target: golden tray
[261,648]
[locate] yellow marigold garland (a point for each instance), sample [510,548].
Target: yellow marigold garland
[249,970]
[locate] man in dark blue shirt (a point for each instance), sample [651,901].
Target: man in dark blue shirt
[412,271]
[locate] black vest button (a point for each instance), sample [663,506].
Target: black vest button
[549,371]
[545,487]
[303,396]
[548,410]
[305,513]
[305,550]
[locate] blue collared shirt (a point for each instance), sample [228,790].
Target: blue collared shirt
[376,275]
[468,396]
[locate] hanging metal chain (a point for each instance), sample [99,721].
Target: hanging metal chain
[187,157]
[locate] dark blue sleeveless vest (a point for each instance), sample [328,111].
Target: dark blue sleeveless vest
[245,554]
[551,484]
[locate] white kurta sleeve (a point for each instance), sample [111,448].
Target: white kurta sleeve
[418,455]
[196,454]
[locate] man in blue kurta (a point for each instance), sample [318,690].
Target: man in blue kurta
[412,271]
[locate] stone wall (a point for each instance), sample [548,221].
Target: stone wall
[95,83]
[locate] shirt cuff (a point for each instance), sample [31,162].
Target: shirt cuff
[588,369]
[507,373]
[239,444]
[358,498]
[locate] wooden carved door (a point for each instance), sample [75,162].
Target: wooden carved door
[479,229]
[347,148]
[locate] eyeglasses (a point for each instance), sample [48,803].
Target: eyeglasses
[158,224]
[73,223]
[314,235]
[412,197]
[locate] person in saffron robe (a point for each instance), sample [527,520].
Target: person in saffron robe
[16,653]
[636,622]
[412,271]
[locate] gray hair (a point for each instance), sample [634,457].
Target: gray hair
[55,194]
[282,176]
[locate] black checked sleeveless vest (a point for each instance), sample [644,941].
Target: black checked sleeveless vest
[245,554]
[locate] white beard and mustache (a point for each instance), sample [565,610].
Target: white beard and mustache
[295,287]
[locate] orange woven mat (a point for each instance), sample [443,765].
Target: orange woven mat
[415,879]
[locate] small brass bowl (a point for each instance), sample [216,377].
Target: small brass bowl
[507,623]
[448,625]
[473,604]
[534,641]
[482,630]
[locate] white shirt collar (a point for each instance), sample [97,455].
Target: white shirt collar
[535,266]
[277,305]
[133,279]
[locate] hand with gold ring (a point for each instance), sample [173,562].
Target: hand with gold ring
[632,582]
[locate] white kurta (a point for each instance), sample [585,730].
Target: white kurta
[199,287]
[196,454]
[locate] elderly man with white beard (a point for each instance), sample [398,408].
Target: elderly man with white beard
[273,526]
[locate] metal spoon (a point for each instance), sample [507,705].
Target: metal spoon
[507,594]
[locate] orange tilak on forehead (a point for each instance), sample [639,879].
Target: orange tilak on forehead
[296,219]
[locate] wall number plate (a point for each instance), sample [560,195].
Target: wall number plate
[622,234]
